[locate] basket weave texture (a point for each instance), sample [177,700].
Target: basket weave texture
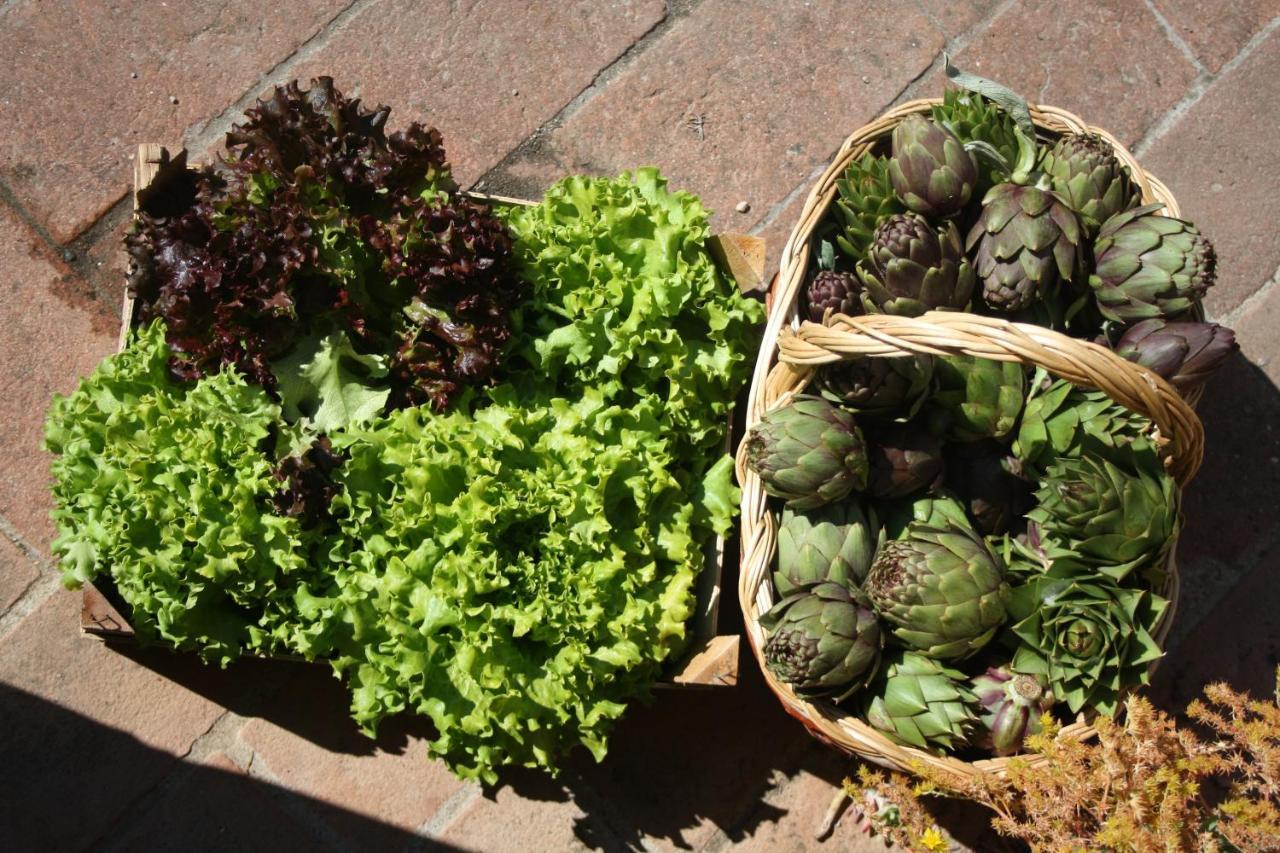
[791,349]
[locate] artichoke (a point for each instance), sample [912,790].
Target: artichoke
[935,510]
[941,587]
[877,387]
[830,290]
[1028,244]
[1183,353]
[1150,266]
[1084,170]
[1059,417]
[912,268]
[975,398]
[931,171]
[1089,637]
[1009,708]
[921,703]
[808,453]
[866,197]
[989,482]
[824,640]
[973,118]
[1116,519]
[904,459]
[834,543]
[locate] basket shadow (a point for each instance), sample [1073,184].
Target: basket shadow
[1229,550]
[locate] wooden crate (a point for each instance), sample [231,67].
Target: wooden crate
[712,658]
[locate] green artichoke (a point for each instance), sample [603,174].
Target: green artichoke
[905,458]
[1084,170]
[1059,417]
[941,587]
[1116,519]
[824,640]
[808,453]
[1009,707]
[1150,266]
[972,118]
[933,510]
[921,703]
[931,171]
[1183,353]
[1028,244]
[1089,637]
[877,387]
[975,398]
[912,268]
[989,482]
[866,198]
[835,543]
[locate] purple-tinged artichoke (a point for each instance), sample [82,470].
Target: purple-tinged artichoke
[989,481]
[1149,266]
[1009,708]
[912,268]
[830,290]
[877,387]
[1084,170]
[1186,354]
[808,453]
[824,640]
[1028,244]
[931,171]
[904,459]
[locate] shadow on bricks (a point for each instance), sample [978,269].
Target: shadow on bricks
[60,767]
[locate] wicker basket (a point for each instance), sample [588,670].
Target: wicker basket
[791,349]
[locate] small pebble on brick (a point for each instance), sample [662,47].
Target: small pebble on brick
[173,99]
[866,79]
[133,75]
[743,207]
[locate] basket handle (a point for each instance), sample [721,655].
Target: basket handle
[1180,435]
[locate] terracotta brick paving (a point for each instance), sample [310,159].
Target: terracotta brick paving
[150,751]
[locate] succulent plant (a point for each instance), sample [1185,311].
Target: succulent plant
[866,197]
[990,483]
[941,587]
[973,118]
[1186,354]
[1009,708]
[830,289]
[808,453]
[911,268]
[976,398]
[824,640]
[1027,244]
[932,173]
[1115,518]
[1150,266]
[905,458]
[835,543]
[1059,417]
[1085,171]
[1090,638]
[877,387]
[919,702]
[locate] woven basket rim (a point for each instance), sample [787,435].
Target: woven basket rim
[790,349]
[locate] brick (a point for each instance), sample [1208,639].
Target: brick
[775,101]
[689,764]
[51,334]
[504,820]
[1236,642]
[1217,32]
[1080,55]
[16,574]
[957,18]
[314,749]
[216,807]
[1222,178]
[487,74]
[71,113]
[84,730]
